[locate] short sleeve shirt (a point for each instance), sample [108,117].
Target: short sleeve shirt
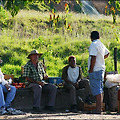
[73,74]
[98,49]
[32,72]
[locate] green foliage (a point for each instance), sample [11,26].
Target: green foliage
[30,30]
[3,16]
[11,69]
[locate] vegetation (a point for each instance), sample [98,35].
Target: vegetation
[57,38]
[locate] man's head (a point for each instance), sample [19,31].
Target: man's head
[94,35]
[34,55]
[72,61]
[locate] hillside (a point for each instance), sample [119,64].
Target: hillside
[57,40]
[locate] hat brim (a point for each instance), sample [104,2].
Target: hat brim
[40,54]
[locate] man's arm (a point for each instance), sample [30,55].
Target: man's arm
[92,64]
[106,56]
[34,81]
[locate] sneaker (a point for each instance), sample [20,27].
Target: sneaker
[50,109]
[2,111]
[13,111]
[36,109]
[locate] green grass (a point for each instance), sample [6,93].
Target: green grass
[31,30]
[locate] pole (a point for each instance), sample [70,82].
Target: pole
[115,58]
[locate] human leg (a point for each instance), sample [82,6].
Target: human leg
[37,91]
[85,84]
[2,101]
[72,93]
[99,101]
[51,90]
[96,83]
[10,96]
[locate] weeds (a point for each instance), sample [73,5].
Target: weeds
[30,30]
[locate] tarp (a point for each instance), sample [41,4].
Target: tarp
[88,8]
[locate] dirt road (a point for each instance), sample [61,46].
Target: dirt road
[63,115]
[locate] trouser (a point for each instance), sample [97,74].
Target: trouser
[85,84]
[9,97]
[37,89]
[72,90]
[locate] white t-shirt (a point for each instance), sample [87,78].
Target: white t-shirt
[2,80]
[97,49]
[73,73]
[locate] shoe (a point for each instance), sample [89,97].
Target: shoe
[73,109]
[50,109]
[36,109]
[3,111]
[13,111]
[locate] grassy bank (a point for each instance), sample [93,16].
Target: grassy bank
[32,30]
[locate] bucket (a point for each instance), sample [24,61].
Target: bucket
[55,80]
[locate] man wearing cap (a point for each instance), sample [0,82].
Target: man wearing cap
[34,74]
[72,75]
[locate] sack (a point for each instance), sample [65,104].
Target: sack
[110,84]
[113,77]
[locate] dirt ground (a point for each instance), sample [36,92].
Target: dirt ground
[63,115]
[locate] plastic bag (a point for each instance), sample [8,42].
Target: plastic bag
[113,77]
[110,84]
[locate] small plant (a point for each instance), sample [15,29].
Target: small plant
[55,21]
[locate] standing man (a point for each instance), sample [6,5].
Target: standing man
[72,75]
[96,68]
[34,74]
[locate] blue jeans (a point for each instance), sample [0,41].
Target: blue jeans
[96,79]
[9,95]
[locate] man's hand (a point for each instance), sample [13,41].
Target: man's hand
[76,85]
[40,83]
[45,77]
[8,87]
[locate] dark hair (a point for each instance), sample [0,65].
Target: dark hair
[94,35]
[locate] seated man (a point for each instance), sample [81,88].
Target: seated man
[5,105]
[72,75]
[34,74]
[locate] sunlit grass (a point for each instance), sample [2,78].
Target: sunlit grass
[31,30]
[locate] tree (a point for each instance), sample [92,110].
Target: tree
[13,6]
